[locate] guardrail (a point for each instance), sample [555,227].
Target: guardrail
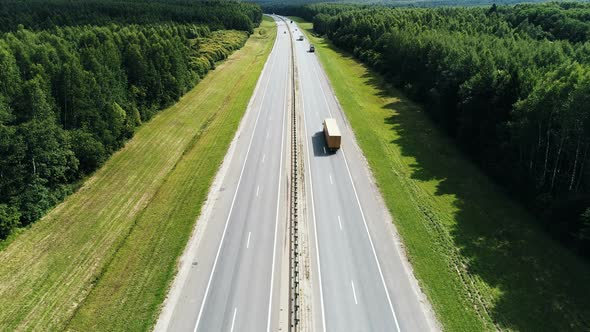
[294,200]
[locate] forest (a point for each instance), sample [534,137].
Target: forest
[44,14]
[510,85]
[271,6]
[77,78]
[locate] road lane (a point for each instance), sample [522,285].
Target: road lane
[228,287]
[361,281]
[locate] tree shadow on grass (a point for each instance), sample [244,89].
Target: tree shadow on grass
[538,284]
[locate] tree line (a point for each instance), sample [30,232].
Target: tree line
[292,6]
[511,85]
[45,14]
[70,96]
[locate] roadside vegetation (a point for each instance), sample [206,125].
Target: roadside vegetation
[132,288]
[105,257]
[78,77]
[509,85]
[482,260]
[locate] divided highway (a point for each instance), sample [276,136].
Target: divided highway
[232,277]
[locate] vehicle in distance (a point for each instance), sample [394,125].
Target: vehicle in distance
[300,38]
[332,134]
[311,48]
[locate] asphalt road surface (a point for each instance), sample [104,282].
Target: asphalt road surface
[360,280]
[233,280]
[231,275]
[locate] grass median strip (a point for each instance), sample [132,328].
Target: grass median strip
[481,261]
[103,259]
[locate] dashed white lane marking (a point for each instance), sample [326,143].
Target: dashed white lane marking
[233,321]
[248,243]
[267,133]
[340,222]
[331,182]
[353,292]
[257,190]
[324,150]
[263,157]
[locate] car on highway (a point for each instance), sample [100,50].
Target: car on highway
[300,38]
[311,48]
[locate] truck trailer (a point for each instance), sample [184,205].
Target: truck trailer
[332,134]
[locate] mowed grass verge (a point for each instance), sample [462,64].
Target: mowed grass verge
[104,258]
[477,255]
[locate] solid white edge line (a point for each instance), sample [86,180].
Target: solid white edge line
[274,247]
[235,195]
[354,292]
[362,212]
[315,229]
[233,321]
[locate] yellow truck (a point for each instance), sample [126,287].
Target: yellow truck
[332,134]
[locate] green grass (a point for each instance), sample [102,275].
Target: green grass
[477,255]
[105,257]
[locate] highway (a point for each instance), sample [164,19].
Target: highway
[233,274]
[229,279]
[361,282]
